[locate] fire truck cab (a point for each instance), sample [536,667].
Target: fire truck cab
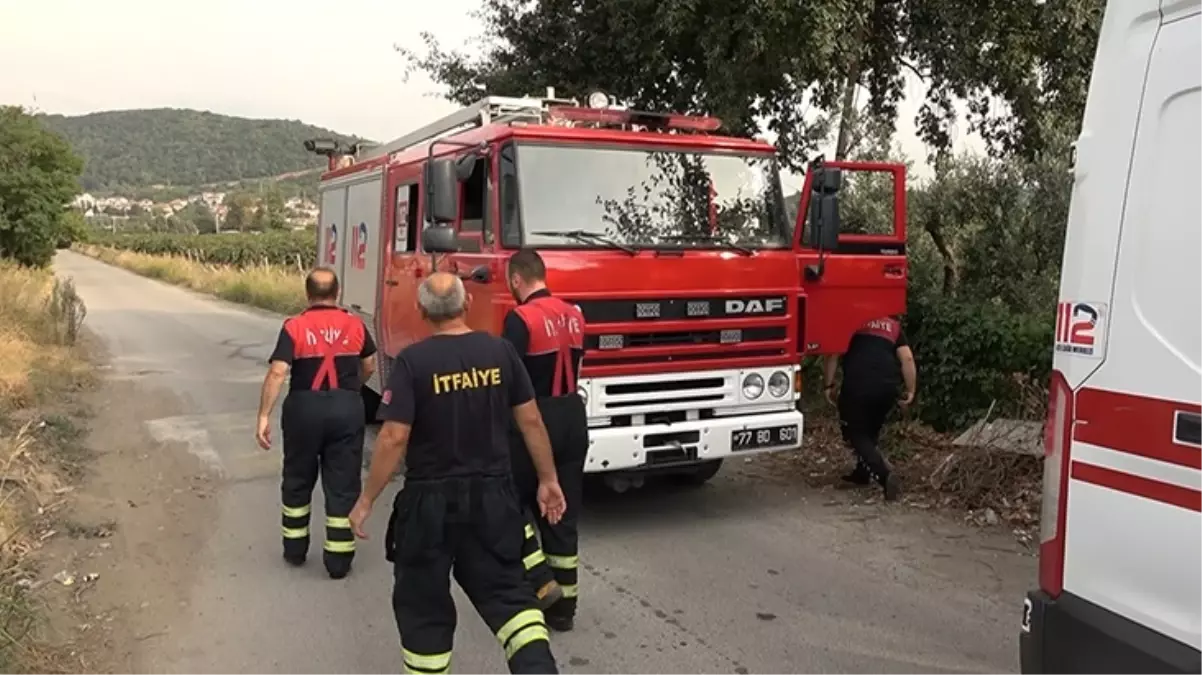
[671,238]
[1120,557]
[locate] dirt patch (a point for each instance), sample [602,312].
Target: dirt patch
[119,566]
[983,486]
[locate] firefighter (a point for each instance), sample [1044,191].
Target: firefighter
[446,413]
[878,360]
[548,333]
[331,355]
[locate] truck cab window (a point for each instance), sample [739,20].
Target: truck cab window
[511,223]
[405,219]
[475,199]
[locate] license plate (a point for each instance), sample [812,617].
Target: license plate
[763,437]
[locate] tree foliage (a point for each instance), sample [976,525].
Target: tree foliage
[1022,67]
[136,148]
[39,175]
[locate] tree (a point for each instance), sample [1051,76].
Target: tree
[239,211]
[271,212]
[197,217]
[1022,67]
[39,175]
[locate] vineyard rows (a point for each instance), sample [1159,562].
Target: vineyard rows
[295,248]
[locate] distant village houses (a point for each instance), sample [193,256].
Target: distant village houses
[300,212]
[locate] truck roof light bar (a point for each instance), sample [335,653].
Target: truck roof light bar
[538,110]
[488,110]
[615,117]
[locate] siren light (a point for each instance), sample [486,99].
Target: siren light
[609,116]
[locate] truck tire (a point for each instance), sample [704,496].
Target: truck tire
[701,474]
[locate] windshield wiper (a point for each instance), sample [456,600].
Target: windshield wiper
[711,239]
[585,235]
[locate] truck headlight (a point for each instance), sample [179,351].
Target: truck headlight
[753,386]
[778,384]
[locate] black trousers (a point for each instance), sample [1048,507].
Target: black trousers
[567,424]
[323,435]
[471,527]
[862,414]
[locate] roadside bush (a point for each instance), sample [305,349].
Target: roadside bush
[295,249]
[39,174]
[974,356]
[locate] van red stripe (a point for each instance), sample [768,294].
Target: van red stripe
[1137,425]
[1166,493]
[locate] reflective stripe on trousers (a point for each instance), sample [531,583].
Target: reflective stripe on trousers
[339,537]
[525,627]
[428,664]
[296,522]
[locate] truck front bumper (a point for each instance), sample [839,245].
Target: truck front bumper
[652,447]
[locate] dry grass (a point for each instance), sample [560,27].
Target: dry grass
[40,364]
[271,287]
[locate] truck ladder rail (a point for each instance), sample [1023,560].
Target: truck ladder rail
[485,111]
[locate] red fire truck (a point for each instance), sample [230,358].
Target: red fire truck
[700,297]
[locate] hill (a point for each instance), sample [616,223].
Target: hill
[125,149]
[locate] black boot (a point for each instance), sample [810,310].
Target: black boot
[560,617]
[294,559]
[892,486]
[859,475]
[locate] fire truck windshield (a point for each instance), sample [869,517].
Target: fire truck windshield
[648,198]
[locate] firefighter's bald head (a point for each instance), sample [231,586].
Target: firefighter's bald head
[321,286]
[442,297]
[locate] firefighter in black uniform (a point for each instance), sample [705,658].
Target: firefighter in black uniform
[878,360]
[548,333]
[331,355]
[450,399]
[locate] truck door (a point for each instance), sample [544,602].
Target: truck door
[864,276]
[398,318]
[476,228]
[331,229]
[362,262]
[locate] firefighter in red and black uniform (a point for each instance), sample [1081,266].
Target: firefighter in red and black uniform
[548,333]
[331,355]
[878,360]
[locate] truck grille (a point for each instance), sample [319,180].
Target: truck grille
[683,391]
[675,309]
[606,341]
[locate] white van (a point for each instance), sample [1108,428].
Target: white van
[1120,556]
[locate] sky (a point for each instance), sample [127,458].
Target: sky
[297,59]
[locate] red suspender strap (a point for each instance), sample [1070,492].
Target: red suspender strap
[325,335]
[555,326]
[327,372]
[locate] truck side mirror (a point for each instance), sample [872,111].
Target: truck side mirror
[823,218]
[440,239]
[442,191]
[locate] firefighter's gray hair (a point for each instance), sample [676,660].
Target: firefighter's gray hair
[442,299]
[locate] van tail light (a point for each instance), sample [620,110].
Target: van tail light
[1057,437]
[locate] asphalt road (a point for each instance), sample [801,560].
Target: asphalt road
[747,574]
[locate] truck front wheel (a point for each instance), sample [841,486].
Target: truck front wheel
[701,474]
